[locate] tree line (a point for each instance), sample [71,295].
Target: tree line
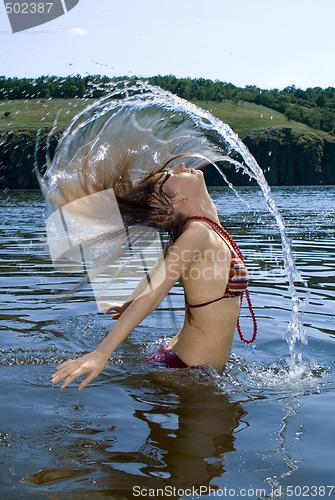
[314,106]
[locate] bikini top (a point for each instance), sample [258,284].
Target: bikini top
[238,278]
[237,282]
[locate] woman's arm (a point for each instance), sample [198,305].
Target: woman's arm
[162,281]
[142,285]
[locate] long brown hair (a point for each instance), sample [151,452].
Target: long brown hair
[120,149]
[149,204]
[126,151]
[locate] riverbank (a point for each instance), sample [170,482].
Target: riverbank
[289,153]
[285,156]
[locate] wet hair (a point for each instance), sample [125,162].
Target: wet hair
[126,150]
[122,149]
[149,204]
[122,152]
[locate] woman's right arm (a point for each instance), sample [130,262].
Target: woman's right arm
[162,281]
[140,288]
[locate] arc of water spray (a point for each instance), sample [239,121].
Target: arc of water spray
[295,330]
[141,96]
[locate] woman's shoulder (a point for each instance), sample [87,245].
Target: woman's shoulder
[196,227]
[196,230]
[193,236]
[199,229]
[203,234]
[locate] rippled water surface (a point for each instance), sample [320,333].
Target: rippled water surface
[260,426]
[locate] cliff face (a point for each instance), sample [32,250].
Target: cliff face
[286,158]
[289,158]
[17,153]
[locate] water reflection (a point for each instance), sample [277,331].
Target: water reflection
[192,439]
[187,431]
[290,462]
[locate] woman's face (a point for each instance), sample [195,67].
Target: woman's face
[183,182]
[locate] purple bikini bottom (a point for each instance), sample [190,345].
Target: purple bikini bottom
[164,356]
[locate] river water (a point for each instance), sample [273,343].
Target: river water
[259,430]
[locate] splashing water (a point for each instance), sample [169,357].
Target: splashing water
[152,126]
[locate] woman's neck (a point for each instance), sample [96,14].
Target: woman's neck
[204,207]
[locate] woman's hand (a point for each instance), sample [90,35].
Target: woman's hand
[92,363]
[115,306]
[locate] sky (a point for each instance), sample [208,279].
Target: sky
[267,43]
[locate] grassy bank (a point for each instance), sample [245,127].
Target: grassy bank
[243,117]
[33,114]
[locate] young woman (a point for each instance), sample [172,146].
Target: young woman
[201,255]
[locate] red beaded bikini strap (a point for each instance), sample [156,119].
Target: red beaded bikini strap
[222,232]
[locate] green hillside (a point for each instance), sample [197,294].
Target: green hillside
[245,117]
[242,117]
[34,114]
[245,109]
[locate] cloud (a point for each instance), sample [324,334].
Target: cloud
[78,32]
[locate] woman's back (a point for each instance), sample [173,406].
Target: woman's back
[210,313]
